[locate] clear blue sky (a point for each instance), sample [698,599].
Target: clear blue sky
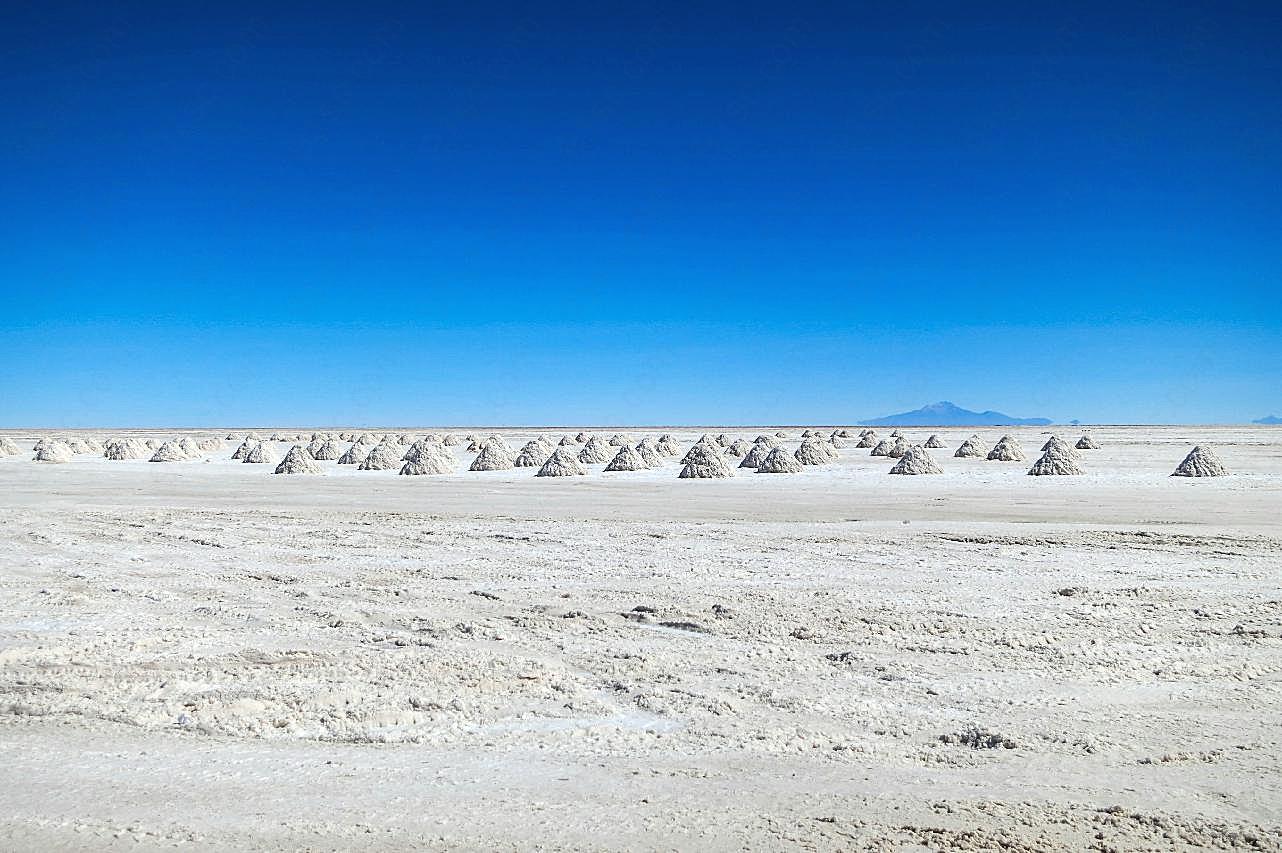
[678,213]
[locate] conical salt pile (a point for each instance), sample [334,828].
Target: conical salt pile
[896,434]
[779,461]
[567,441]
[561,463]
[450,440]
[781,434]
[757,454]
[724,440]
[934,443]
[618,440]
[276,437]
[835,441]
[77,445]
[812,452]
[649,452]
[355,454]
[262,454]
[1055,461]
[704,462]
[414,449]
[491,458]
[209,444]
[668,445]
[533,455]
[297,461]
[126,448]
[54,451]
[970,448]
[916,460]
[883,448]
[7,446]
[868,439]
[313,447]
[898,449]
[738,448]
[383,457]
[169,452]
[707,444]
[1087,443]
[806,433]
[428,457]
[150,444]
[594,452]
[581,438]
[626,459]
[768,440]
[328,451]
[189,447]
[1201,462]
[1060,446]
[1006,450]
[231,437]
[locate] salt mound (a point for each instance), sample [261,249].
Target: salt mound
[1087,443]
[561,464]
[355,454]
[811,452]
[262,454]
[807,433]
[231,437]
[738,448]
[243,450]
[626,459]
[127,448]
[970,448]
[384,457]
[189,447]
[594,452]
[768,440]
[276,437]
[724,440]
[1055,461]
[779,461]
[667,445]
[781,434]
[756,455]
[898,449]
[1201,462]
[297,461]
[649,452]
[492,458]
[567,441]
[533,455]
[581,438]
[704,462]
[169,452]
[329,450]
[916,460]
[835,441]
[618,440]
[1006,450]
[882,449]
[706,443]
[53,451]
[1061,447]
[868,439]
[7,447]
[450,440]
[934,443]
[208,444]
[429,458]
[150,444]
[77,445]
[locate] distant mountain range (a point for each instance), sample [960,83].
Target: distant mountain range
[945,413]
[1268,420]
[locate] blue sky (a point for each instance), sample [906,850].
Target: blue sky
[677,213]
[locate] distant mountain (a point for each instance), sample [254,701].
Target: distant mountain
[946,414]
[1268,420]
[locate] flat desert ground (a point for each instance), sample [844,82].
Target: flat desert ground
[203,655]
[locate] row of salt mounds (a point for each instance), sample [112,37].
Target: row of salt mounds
[916,460]
[594,452]
[1201,462]
[8,447]
[562,463]
[867,439]
[1087,443]
[814,452]
[1056,459]
[385,456]
[704,462]
[971,448]
[125,448]
[627,459]
[53,451]
[649,452]
[428,457]
[667,445]
[297,461]
[933,443]
[494,455]
[1006,450]
[778,461]
[261,454]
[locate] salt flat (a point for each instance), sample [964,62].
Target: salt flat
[203,654]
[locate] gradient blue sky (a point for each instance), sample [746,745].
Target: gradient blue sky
[671,213]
